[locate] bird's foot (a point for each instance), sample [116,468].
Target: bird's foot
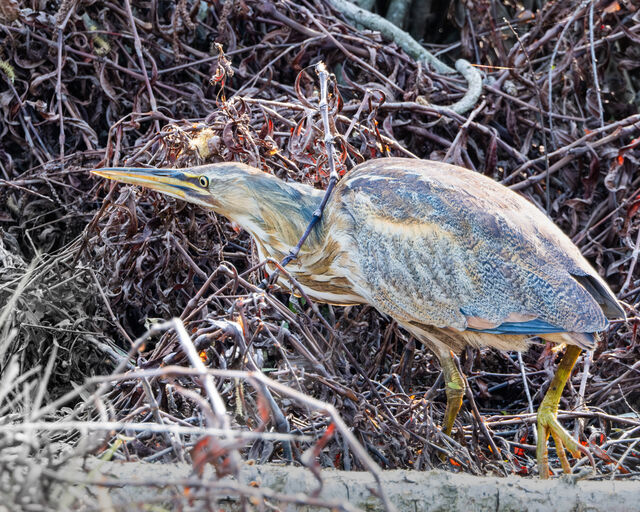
[548,425]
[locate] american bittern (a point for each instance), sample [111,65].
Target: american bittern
[454,257]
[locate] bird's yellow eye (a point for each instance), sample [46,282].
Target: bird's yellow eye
[204,181]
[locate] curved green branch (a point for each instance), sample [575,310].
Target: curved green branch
[414,49]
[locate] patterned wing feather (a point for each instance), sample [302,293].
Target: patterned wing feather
[437,244]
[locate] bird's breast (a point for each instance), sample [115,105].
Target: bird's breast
[321,270]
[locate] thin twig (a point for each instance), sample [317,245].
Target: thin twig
[61,137]
[525,383]
[594,65]
[323,105]
[565,26]
[138,47]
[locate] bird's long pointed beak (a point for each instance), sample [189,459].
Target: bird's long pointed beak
[179,183]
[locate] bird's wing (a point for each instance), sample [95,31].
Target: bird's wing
[437,244]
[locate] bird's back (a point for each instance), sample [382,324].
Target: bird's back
[441,245]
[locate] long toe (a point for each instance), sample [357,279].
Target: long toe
[548,425]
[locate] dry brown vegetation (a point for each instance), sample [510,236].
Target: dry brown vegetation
[86,267]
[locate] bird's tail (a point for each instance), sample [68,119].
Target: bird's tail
[585,340]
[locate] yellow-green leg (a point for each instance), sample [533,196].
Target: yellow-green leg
[454,389]
[547,418]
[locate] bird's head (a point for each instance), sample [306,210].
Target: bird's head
[231,189]
[195,185]
[261,203]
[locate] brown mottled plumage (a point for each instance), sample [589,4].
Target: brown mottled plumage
[454,257]
[432,243]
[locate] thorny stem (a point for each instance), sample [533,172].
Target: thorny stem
[580,402]
[594,65]
[525,382]
[138,47]
[567,24]
[540,120]
[61,138]
[323,74]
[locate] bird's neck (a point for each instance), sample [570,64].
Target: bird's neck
[277,214]
[274,212]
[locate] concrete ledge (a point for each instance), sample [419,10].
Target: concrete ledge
[127,486]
